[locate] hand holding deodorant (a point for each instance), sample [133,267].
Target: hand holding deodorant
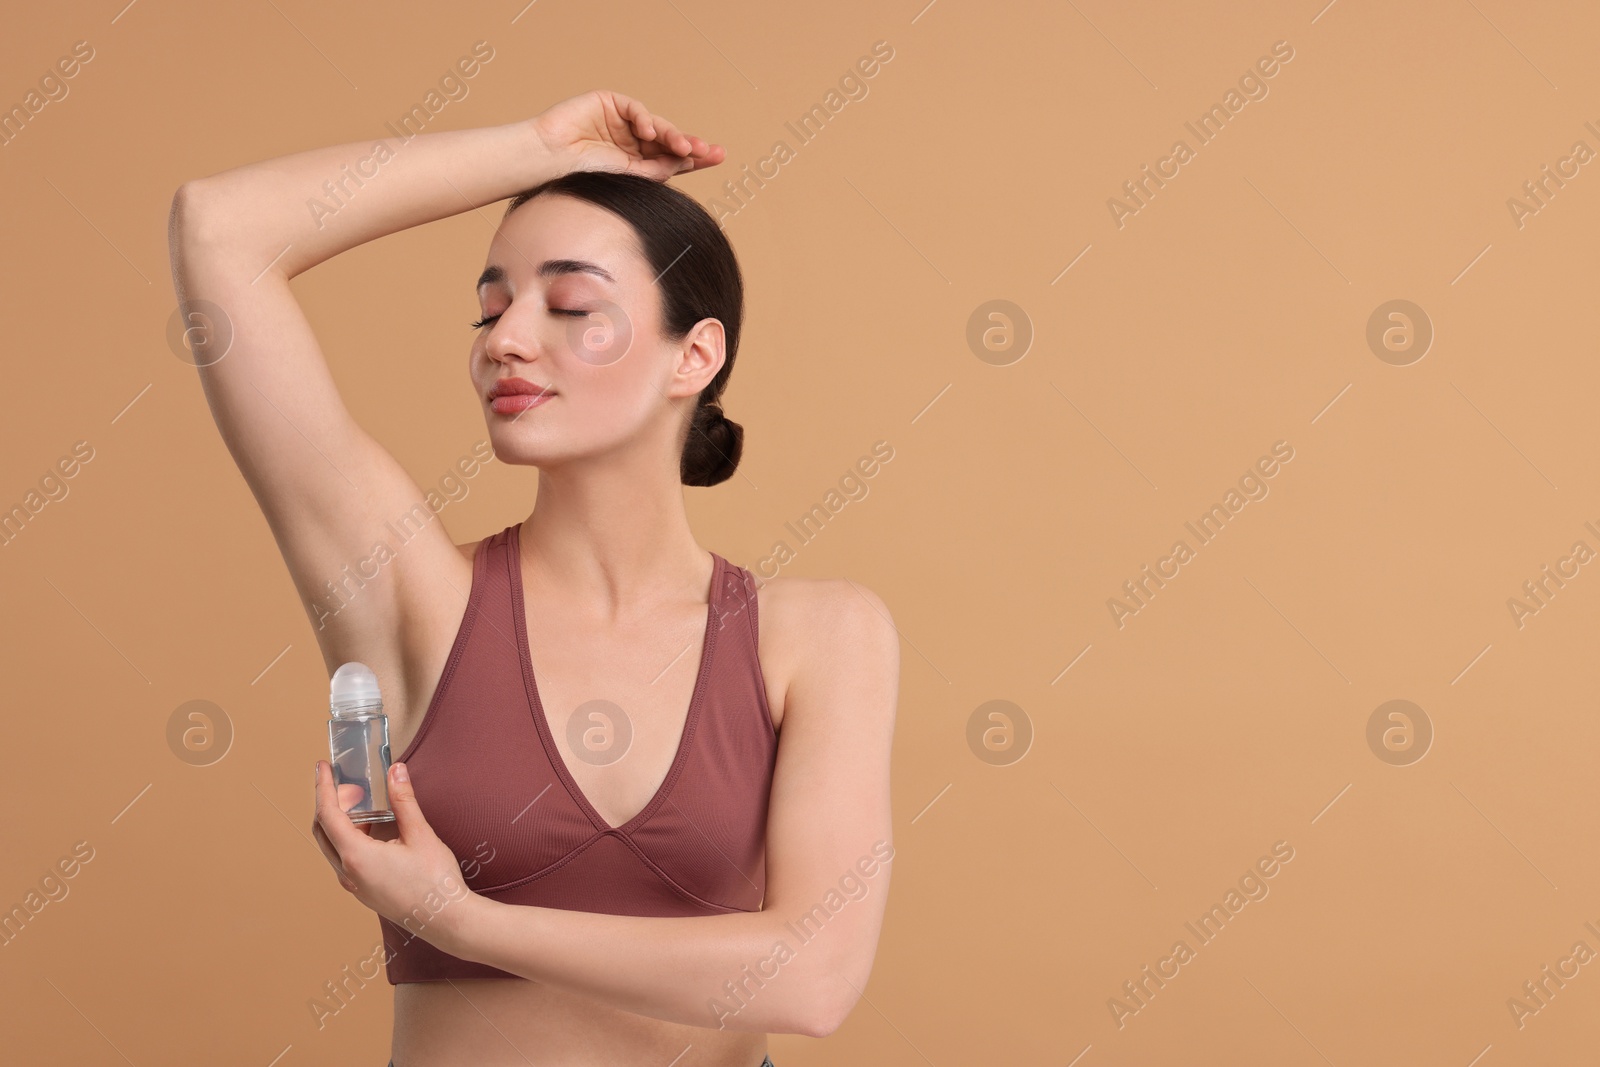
[358,740]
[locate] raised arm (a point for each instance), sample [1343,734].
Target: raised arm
[326,488]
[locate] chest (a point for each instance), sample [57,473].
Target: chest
[548,724]
[601,765]
[616,700]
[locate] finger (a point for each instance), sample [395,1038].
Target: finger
[713,155]
[329,853]
[403,802]
[350,795]
[663,167]
[335,823]
[646,122]
[635,115]
[690,153]
[672,139]
[659,168]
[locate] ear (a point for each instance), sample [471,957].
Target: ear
[702,353]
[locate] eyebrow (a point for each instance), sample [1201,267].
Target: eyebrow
[550,268]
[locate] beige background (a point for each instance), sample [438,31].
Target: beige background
[1227,314]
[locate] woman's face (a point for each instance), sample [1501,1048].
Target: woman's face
[571,307]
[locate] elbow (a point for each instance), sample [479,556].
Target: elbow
[820,1025]
[827,1014]
[829,1004]
[193,220]
[184,217]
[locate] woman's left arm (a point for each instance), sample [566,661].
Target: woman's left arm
[796,966]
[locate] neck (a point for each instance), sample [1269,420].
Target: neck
[611,535]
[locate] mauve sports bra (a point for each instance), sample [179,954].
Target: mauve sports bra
[491,780]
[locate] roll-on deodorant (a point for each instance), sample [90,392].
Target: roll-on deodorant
[358,739]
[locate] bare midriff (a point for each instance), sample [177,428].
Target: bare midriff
[490,1022]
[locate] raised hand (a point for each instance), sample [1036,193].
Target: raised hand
[603,130]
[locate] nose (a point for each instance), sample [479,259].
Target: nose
[504,342]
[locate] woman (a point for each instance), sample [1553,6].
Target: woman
[617,861]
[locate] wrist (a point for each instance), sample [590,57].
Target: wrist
[544,161]
[455,929]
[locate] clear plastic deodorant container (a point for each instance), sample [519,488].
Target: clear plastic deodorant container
[358,740]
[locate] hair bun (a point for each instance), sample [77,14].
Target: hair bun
[712,451]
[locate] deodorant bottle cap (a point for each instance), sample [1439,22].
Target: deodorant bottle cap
[354,689]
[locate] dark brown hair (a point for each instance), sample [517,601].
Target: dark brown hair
[698,277]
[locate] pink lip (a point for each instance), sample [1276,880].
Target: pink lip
[508,396]
[511,404]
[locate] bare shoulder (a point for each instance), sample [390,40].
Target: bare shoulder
[819,632]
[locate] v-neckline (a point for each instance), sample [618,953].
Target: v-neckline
[536,705]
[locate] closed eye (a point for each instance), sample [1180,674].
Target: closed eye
[489,319]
